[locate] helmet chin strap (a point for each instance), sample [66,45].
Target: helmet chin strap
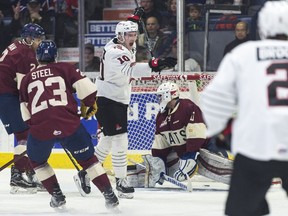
[28,44]
[119,36]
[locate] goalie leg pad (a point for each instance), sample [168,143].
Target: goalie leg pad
[154,167]
[187,166]
[214,166]
[172,164]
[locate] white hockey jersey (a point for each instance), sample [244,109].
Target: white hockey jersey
[117,68]
[253,81]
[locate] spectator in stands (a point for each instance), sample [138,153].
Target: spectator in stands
[156,40]
[66,29]
[92,62]
[227,21]
[46,5]
[7,32]
[33,14]
[170,19]
[241,36]
[194,20]
[94,9]
[190,64]
[5,7]
[149,9]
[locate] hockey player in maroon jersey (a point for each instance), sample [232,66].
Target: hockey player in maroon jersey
[51,111]
[16,61]
[180,133]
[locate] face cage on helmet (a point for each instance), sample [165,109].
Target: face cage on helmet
[164,99]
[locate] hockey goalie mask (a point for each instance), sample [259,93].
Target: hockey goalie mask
[124,27]
[167,92]
[273,19]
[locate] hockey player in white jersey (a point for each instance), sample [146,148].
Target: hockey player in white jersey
[117,68]
[253,81]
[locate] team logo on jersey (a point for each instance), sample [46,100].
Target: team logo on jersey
[118,127]
[57,133]
[163,123]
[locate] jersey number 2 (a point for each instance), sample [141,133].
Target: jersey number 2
[273,86]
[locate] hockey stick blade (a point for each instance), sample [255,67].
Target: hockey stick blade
[176,182]
[13,161]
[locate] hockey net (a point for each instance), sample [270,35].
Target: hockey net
[144,105]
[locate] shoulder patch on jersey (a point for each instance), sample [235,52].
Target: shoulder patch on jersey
[119,46]
[196,130]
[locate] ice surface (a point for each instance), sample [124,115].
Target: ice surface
[207,199]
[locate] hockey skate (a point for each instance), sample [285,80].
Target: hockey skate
[19,184]
[58,199]
[33,179]
[82,182]
[111,200]
[124,191]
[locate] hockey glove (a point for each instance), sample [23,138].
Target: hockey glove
[86,112]
[137,14]
[159,64]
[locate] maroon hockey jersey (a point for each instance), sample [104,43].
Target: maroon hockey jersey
[182,128]
[17,58]
[47,99]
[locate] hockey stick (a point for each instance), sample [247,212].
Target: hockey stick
[145,33]
[71,158]
[81,179]
[13,160]
[187,187]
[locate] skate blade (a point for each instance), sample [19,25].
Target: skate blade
[125,195]
[114,210]
[78,184]
[20,190]
[60,209]
[41,189]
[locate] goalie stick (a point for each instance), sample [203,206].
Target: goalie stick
[167,178]
[81,179]
[13,161]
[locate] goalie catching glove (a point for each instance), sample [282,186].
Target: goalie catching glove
[87,112]
[158,64]
[137,15]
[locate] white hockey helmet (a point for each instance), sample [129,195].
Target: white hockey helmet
[167,92]
[273,19]
[123,27]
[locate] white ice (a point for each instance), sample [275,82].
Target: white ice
[207,199]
